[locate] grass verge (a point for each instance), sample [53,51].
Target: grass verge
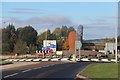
[101,70]
[2,62]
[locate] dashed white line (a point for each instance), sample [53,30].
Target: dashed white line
[46,66]
[27,70]
[11,75]
[37,68]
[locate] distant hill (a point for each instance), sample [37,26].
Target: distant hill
[93,41]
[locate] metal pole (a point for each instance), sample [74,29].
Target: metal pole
[116,49]
[46,34]
[79,53]
[75,41]
[116,55]
[75,48]
[45,43]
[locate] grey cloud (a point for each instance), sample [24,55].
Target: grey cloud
[112,17]
[53,20]
[41,22]
[56,20]
[99,24]
[25,11]
[28,9]
[96,20]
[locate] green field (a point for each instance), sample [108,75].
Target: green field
[101,70]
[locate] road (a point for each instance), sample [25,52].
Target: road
[49,70]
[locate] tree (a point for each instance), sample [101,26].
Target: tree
[0,40]
[66,45]
[5,36]
[9,37]
[40,39]
[64,31]
[5,47]
[71,40]
[57,33]
[20,47]
[59,44]
[70,29]
[11,29]
[52,36]
[48,32]
[27,34]
[33,48]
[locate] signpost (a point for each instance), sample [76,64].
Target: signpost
[78,46]
[50,44]
[78,42]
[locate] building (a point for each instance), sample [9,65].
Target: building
[110,47]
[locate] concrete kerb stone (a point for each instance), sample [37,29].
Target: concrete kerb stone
[22,60]
[36,60]
[85,59]
[47,59]
[63,59]
[94,59]
[16,59]
[9,60]
[29,60]
[81,77]
[55,59]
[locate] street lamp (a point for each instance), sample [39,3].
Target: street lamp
[116,36]
[116,41]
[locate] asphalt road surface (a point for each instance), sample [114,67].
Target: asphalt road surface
[48,70]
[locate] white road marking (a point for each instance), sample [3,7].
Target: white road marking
[55,59]
[45,59]
[22,60]
[27,70]
[37,68]
[106,60]
[85,59]
[113,60]
[11,75]
[46,66]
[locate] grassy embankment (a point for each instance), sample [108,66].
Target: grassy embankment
[102,70]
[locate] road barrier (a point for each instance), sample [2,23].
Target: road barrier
[55,59]
[64,60]
[47,59]
[39,59]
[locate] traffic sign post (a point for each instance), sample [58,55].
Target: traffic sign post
[78,46]
[79,53]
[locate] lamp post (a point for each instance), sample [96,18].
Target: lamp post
[116,51]
[116,36]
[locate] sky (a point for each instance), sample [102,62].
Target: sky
[98,18]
